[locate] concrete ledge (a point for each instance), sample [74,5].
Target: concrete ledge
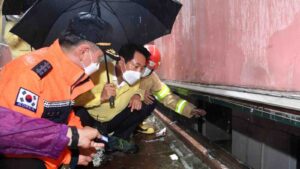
[287,100]
[191,142]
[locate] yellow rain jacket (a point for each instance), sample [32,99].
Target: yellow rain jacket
[92,99]
[164,95]
[17,45]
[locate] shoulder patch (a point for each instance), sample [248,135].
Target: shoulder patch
[27,100]
[42,69]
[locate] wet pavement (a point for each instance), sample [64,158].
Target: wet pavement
[155,153]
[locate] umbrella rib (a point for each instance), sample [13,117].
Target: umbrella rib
[113,12]
[91,8]
[77,8]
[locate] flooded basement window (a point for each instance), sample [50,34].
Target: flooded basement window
[236,131]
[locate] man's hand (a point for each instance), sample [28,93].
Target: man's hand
[198,112]
[86,137]
[84,160]
[108,91]
[148,98]
[135,102]
[86,156]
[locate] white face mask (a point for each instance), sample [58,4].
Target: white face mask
[147,72]
[92,68]
[131,77]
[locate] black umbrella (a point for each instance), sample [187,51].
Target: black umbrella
[135,21]
[16,7]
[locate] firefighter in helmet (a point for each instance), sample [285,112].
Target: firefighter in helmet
[155,89]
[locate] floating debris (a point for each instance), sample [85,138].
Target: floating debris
[174,157]
[161,133]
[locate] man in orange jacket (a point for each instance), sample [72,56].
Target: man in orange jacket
[44,83]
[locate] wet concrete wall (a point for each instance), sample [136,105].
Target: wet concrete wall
[246,43]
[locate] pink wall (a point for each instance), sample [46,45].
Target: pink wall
[246,43]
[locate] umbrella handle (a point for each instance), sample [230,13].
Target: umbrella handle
[112,102]
[112,98]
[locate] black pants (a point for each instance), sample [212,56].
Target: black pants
[21,163]
[123,124]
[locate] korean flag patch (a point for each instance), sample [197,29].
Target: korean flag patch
[27,100]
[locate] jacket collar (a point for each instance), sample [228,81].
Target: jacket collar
[71,72]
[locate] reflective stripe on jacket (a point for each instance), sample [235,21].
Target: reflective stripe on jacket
[164,95]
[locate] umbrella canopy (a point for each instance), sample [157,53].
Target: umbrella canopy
[16,7]
[134,21]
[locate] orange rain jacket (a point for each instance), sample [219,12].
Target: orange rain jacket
[43,84]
